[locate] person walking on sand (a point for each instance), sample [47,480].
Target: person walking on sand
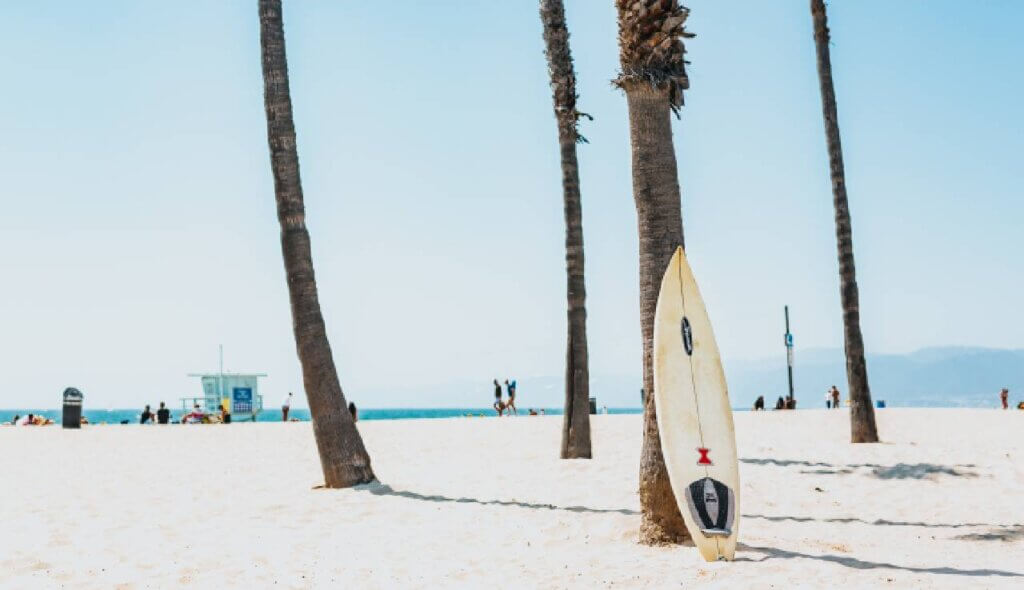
[511,405]
[285,406]
[835,398]
[1004,396]
[499,406]
[828,399]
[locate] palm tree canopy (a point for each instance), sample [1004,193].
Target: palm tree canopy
[651,48]
[560,68]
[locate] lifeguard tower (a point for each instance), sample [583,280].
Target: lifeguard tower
[238,391]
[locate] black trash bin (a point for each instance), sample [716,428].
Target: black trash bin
[72,414]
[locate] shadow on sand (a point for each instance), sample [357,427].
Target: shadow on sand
[884,522]
[1004,533]
[1007,532]
[898,471]
[1013,532]
[379,489]
[860,564]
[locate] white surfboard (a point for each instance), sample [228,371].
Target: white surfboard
[694,416]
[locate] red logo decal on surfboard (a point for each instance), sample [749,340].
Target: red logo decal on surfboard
[704,460]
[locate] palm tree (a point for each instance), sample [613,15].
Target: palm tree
[653,77]
[342,454]
[862,415]
[576,420]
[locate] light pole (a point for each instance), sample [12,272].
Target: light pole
[789,353]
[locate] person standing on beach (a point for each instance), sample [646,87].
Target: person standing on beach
[835,398]
[828,399]
[163,415]
[146,416]
[499,406]
[511,405]
[1004,396]
[285,406]
[352,409]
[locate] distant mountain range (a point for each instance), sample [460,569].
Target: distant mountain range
[943,377]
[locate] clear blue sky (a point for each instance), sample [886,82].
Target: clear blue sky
[139,232]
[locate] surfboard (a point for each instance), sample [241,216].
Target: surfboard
[694,417]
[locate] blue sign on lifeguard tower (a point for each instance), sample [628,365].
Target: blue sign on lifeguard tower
[241,399]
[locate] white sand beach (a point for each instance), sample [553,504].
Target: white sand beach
[487,503]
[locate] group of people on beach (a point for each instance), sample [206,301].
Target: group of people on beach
[196,416]
[501,406]
[286,406]
[789,402]
[29,420]
[161,416]
[832,398]
[783,403]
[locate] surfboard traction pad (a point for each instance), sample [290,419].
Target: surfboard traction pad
[704,498]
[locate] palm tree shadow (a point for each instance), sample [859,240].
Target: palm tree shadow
[885,522]
[379,489]
[860,564]
[898,471]
[917,471]
[997,533]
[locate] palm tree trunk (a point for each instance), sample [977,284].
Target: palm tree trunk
[660,228]
[342,455]
[653,75]
[576,419]
[862,415]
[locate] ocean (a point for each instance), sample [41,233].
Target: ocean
[131,416]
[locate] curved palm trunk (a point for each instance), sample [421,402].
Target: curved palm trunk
[342,454]
[653,77]
[862,415]
[576,420]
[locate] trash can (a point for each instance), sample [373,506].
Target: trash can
[880,403]
[593,406]
[72,415]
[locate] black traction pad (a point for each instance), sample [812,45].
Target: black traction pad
[712,505]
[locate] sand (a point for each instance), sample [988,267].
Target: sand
[487,503]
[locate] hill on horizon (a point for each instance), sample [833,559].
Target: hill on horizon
[934,376]
[950,376]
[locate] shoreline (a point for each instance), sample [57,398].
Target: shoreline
[113,417]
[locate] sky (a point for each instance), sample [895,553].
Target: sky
[138,230]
